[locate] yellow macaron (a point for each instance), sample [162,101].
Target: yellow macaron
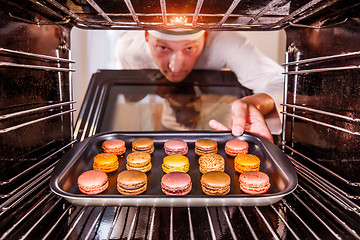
[246,163]
[175,163]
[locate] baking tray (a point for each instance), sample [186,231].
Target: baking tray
[79,159]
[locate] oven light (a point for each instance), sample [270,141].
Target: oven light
[179,20]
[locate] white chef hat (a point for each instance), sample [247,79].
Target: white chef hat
[177,34]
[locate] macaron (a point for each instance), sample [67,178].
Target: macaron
[176,183]
[205,146]
[246,163]
[236,147]
[143,145]
[175,146]
[175,163]
[115,146]
[211,162]
[106,162]
[254,182]
[93,182]
[131,182]
[215,183]
[138,161]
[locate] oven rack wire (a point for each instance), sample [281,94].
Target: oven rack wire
[36,57]
[36,110]
[260,19]
[57,107]
[26,171]
[88,220]
[295,110]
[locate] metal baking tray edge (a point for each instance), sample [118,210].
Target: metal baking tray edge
[282,174]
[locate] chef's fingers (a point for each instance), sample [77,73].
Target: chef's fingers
[239,112]
[256,124]
[217,126]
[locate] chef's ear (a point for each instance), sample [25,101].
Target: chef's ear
[206,35]
[146,36]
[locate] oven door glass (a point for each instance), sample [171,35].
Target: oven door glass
[154,104]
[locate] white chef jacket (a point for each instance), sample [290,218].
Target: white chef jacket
[223,49]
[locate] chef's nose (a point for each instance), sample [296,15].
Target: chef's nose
[176,62]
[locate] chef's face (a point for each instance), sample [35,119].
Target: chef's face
[175,59]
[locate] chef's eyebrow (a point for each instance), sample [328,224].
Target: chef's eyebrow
[164,42]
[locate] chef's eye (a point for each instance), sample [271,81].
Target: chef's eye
[189,48]
[163,48]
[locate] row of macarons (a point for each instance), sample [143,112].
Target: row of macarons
[134,182]
[141,161]
[176,146]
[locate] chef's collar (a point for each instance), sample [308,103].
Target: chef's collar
[177,34]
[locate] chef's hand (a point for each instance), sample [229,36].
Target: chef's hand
[246,116]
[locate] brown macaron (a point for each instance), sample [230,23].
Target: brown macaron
[215,183]
[131,182]
[143,145]
[211,162]
[138,161]
[205,146]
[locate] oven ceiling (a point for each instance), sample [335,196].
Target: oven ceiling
[202,14]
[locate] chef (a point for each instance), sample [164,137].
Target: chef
[176,52]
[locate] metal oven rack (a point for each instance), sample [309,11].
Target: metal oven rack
[23,183]
[201,14]
[320,208]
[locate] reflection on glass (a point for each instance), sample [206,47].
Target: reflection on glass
[182,111]
[146,101]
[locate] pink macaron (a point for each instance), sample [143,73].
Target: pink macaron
[236,147]
[93,182]
[176,183]
[176,146]
[254,182]
[115,146]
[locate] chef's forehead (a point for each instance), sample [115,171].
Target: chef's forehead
[177,34]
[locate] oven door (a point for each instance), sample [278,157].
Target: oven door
[143,100]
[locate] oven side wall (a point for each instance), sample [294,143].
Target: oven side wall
[35,87]
[329,86]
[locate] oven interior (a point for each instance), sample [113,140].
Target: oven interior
[320,119]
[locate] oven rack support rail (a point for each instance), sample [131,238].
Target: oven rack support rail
[35,57]
[297,110]
[57,108]
[262,18]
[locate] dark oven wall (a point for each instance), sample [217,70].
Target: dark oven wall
[323,105]
[35,92]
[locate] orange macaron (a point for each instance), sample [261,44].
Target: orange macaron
[246,163]
[106,162]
